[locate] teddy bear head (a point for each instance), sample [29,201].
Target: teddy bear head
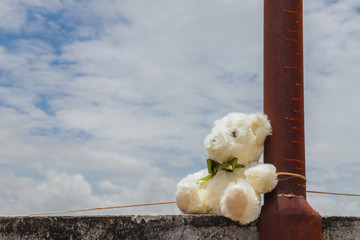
[238,135]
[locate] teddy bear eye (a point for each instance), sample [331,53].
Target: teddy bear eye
[234,134]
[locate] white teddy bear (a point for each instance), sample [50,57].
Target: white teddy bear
[234,180]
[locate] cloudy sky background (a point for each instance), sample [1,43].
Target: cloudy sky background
[107,102]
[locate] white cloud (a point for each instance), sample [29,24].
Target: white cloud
[332,89]
[15,13]
[13,16]
[334,206]
[109,186]
[61,191]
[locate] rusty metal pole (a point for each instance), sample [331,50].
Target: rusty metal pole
[286,213]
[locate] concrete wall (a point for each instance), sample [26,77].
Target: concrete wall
[152,227]
[341,228]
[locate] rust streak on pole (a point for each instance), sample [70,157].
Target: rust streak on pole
[286,213]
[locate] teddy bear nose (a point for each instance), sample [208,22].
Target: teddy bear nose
[214,140]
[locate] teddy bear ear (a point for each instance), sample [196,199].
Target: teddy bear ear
[260,126]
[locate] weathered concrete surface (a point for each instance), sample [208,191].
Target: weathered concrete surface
[153,227]
[125,227]
[341,228]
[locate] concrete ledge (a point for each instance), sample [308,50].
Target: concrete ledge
[125,227]
[341,227]
[152,227]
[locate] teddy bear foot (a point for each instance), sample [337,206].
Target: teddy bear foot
[183,199]
[235,203]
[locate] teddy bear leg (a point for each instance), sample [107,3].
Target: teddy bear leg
[241,203]
[183,199]
[189,200]
[235,202]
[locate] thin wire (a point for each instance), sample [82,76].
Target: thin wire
[332,193]
[291,174]
[93,209]
[319,192]
[152,204]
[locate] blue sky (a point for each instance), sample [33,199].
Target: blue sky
[108,102]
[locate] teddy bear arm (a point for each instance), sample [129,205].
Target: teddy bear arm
[262,177]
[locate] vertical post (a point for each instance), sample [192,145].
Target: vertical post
[286,213]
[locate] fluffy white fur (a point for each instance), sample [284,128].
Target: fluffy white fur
[234,194]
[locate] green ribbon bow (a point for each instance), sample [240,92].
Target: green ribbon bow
[214,167]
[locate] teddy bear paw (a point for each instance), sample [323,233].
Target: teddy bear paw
[235,203]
